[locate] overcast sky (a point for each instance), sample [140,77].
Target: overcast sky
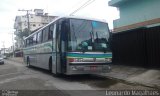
[9,10]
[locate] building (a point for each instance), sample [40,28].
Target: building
[4,51]
[36,20]
[136,13]
[135,39]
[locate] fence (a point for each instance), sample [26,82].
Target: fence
[138,47]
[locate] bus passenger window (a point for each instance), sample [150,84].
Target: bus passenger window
[35,39]
[50,34]
[45,34]
[27,42]
[54,31]
[31,41]
[39,37]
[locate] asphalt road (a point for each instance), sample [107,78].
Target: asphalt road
[38,82]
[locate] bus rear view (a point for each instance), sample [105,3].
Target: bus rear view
[88,50]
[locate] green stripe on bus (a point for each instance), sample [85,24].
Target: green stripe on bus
[79,55]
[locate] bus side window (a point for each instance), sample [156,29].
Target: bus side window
[50,34]
[30,40]
[25,43]
[58,31]
[39,37]
[45,34]
[54,31]
[34,39]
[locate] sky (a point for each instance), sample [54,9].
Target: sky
[9,10]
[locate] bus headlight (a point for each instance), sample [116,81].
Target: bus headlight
[108,59]
[80,59]
[77,68]
[75,59]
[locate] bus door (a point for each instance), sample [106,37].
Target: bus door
[61,55]
[54,49]
[33,56]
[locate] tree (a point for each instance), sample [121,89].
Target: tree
[24,33]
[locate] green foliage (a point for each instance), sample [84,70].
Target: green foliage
[24,33]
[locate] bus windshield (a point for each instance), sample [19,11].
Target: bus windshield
[87,35]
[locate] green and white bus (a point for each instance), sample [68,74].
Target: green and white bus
[70,45]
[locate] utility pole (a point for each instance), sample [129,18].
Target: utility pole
[13,44]
[27,18]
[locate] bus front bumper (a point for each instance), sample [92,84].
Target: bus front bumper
[88,69]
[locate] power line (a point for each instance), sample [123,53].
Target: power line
[75,6]
[83,6]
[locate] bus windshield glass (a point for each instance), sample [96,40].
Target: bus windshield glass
[88,35]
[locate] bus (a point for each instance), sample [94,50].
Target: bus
[70,45]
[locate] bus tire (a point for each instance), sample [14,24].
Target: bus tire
[50,64]
[28,62]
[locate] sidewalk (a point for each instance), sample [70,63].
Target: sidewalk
[16,59]
[130,74]
[136,75]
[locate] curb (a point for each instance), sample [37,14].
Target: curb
[129,82]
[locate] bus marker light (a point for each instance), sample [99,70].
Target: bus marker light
[108,60]
[71,59]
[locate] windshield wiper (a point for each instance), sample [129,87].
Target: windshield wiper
[92,40]
[97,37]
[91,35]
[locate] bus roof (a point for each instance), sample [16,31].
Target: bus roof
[86,18]
[68,17]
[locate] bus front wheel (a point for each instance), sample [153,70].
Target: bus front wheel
[28,62]
[50,64]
